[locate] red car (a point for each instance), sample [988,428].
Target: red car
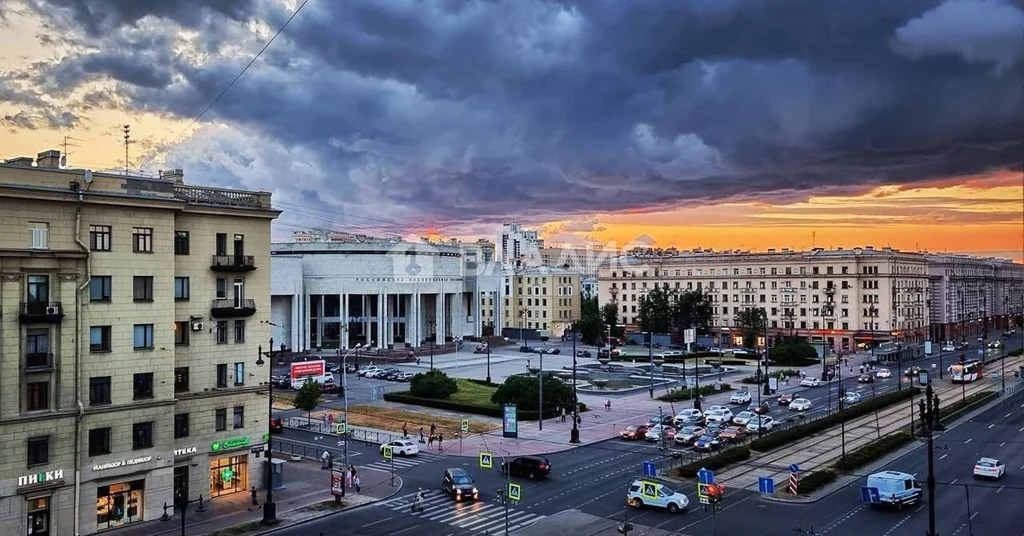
[276,425]
[633,433]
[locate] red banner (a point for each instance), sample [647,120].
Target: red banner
[308,368]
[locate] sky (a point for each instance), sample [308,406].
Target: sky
[746,124]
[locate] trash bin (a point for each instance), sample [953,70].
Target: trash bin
[277,474]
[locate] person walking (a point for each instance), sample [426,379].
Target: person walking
[421,435]
[563,414]
[430,440]
[405,430]
[357,483]
[324,459]
[433,428]
[440,438]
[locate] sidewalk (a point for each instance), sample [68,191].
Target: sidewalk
[306,487]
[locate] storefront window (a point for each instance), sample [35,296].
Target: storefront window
[39,517]
[229,475]
[119,504]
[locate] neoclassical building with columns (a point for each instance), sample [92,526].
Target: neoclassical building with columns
[378,292]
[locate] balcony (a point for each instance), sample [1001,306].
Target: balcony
[233,263]
[232,308]
[830,290]
[41,312]
[38,361]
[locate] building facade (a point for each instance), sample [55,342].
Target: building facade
[131,309]
[972,296]
[543,299]
[516,243]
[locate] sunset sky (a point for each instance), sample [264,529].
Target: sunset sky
[691,123]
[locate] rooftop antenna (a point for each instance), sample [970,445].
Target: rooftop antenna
[127,134]
[814,237]
[64,155]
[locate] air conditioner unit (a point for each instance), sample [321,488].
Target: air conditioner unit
[53,310]
[197,326]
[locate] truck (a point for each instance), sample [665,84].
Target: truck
[894,489]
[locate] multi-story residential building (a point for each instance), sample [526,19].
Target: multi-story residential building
[840,297]
[589,286]
[542,299]
[131,309]
[971,296]
[584,261]
[515,243]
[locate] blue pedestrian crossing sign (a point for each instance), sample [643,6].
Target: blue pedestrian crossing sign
[766,485]
[514,491]
[706,476]
[650,469]
[869,495]
[794,468]
[486,460]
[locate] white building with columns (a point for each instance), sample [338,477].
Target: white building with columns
[382,292]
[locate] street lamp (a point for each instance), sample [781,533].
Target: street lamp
[574,436]
[344,391]
[430,327]
[269,508]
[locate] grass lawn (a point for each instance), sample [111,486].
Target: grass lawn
[473,394]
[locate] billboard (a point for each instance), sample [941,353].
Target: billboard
[510,424]
[308,368]
[337,482]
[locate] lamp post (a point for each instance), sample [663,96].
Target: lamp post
[929,409]
[488,363]
[181,504]
[696,382]
[650,355]
[344,392]
[540,390]
[574,436]
[430,327]
[269,508]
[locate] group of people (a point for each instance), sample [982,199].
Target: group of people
[351,478]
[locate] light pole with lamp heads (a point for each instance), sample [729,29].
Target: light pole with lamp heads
[574,436]
[344,391]
[269,507]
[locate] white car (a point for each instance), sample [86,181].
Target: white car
[949,347]
[852,398]
[800,404]
[688,415]
[401,447]
[765,422]
[720,415]
[715,408]
[740,397]
[743,418]
[883,373]
[652,493]
[811,381]
[995,345]
[366,370]
[989,468]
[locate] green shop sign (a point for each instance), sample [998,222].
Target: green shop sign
[232,443]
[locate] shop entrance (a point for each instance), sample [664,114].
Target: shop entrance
[180,483]
[39,517]
[229,475]
[119,504]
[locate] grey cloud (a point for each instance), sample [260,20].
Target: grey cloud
[97,17]
[34,120]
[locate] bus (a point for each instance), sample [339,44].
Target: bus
[966,372]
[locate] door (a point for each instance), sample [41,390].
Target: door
[239,249]
[38,521]
[180,483]
[239,293]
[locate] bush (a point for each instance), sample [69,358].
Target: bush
[962,404]
[816,480]
[873,451]
[403,397]
[523,392]
[714,462]
[751,380]
[677,395]
[796,433]
[1018,351]
[432,384]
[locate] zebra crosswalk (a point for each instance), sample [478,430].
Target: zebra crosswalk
[405,462]
[477,518]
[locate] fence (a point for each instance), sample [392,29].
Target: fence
[364,435]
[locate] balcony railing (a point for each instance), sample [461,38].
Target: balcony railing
[39,311]
[222,197]
[233,263]
[232,308]
[830,290]
[38,360]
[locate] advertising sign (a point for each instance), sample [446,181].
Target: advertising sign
[337,482]
[308,368]
[510,424]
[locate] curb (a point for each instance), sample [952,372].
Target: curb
[844,481]
[310,519]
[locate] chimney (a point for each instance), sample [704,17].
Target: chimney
[24,161]
[176,175]
[48,159]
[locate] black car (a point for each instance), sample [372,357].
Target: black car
[527,350]
[663,419]
[391,374]
[552,351]
[532,467]
[866,378]
[763,409]
[459,485]
[582,353]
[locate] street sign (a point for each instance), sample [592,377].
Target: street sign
[706,476]
[514,491]
[465,425]
[650,469]
[705,500]
[389,452]
[794,468]
[486,460]
[702,490]
[340,428]
[766,485]
[869,495]
[337,482]
[648,490]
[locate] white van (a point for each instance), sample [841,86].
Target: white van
[895,488]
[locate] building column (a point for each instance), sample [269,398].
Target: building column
[364,312]
[439,318]
[344,320]
[379,331]
[320,323]
[417,326]
[296,322]
[387,314]
[478,310]
[304,316]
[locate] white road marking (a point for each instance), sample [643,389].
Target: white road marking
[1021,429]
[973,515]
[954,481]
[968,441]
[991,426]
[1000,489]
[918,509]
[1003,444]
[943,456]
[377,522]
[1008,414]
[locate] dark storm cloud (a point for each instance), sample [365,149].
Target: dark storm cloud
[476,111]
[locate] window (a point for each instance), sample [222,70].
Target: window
[142,386]
[181,242]
[142,337]
[142,435]
[143,288]
[99,237]
[181,333]
[37,347]
[221,244]
[180,425]
[221,420]
[99,339]
[222,375]
[180,379]
[142,239]
[240,373]
[38,288]
[222,332]
[239,330]
[222,288]
[99,288]
[38,450]
[39,235]
[99,441]
[181,288]
[99,390]
[38,396]
[239,417]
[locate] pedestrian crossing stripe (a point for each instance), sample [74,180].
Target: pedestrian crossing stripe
[405,462]
[474,518]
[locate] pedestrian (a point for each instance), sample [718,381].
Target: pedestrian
[348,476]
[405,429]
[440,438]
[324,459]
[433,428]
[421,435]
[563,414]
[357,483]
[430,440]
[253,496]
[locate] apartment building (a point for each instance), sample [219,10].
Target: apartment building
[840,297]
[970,296]
[516,243]
[131,309]
[542,299]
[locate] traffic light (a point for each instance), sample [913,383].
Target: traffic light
[715,492]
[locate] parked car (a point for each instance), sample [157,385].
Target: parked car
[989,468]
[688,434]
[714,428]
[404,376]
[658,495]
[733,433]
[865,378]
[582,353]
[707,443]
[527,350]
[457,483]
[366,370]
[740,397]
[655,432]
[800,404]
[743,417]
[765,423]
[720,415]
[883,373]
[331,389]
[401,447]
[634,432]
[949,347]
[763,408]
[552,351]
[688,415]
[714,408]
[659,419]
[811,381]
[785,399]
[532,467]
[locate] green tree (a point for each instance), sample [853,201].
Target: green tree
[610,315]
[692,308]
[590,325]
[523,392]
[308,397]
[432,384]
[751,322]
[655,311]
